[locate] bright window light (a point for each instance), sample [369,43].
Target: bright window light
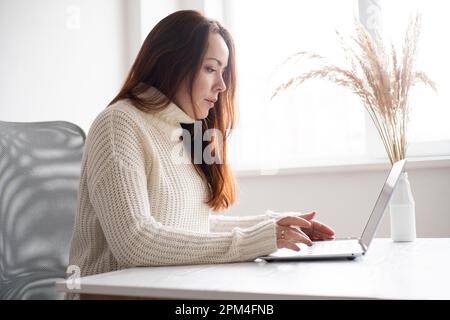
[430,119]
[319,122]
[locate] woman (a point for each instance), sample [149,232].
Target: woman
[140,202]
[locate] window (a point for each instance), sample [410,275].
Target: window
[320,123]
[429,127]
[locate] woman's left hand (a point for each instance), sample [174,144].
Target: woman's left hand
[318,230]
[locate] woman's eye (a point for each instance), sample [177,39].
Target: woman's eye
[210,70]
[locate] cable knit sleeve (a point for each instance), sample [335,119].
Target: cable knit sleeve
[223,223]
[117,183]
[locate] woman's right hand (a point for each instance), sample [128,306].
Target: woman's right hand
[289,232]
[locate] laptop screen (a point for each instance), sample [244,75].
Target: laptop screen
[382,202]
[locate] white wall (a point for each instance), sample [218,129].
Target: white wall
[67,59]
[152,11]
[60,59]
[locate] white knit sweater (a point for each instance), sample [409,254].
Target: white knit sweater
[139,207]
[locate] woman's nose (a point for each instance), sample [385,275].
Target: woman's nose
[221,86]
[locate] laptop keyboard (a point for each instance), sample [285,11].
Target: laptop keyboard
[322,247]
[332,246]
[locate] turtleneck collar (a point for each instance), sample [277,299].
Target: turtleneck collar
[172,114]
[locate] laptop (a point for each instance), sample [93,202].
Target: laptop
[349,248]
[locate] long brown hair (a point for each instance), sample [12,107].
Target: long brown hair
[172,52]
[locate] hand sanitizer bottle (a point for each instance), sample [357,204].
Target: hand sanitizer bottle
[402,212]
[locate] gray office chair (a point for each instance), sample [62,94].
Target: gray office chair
[39,175]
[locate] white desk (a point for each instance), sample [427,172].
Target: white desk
[417,270]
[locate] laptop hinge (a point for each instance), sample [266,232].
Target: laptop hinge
[362,245]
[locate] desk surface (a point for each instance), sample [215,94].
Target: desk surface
[414,270]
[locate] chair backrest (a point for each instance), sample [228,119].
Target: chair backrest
[39,174]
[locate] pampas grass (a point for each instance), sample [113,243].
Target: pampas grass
[377,77]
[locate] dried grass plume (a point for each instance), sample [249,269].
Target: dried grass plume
[378,78]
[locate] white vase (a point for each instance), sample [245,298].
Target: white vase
[402,212]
